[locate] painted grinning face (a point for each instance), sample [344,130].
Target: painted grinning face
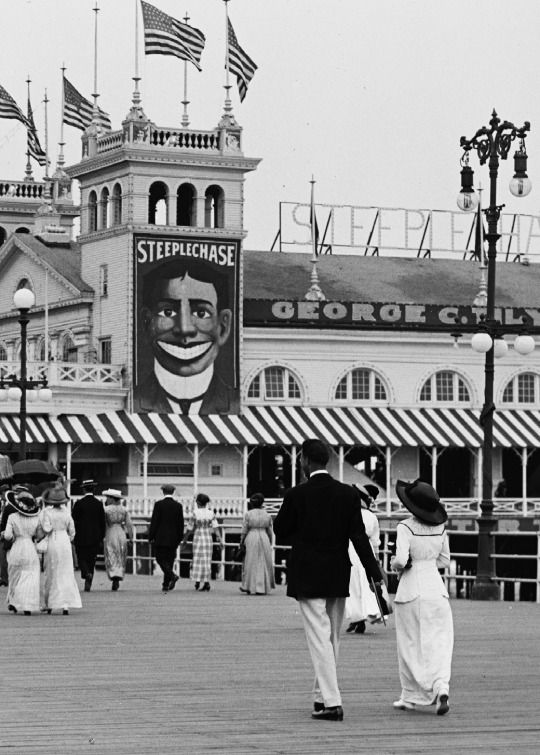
[184,325]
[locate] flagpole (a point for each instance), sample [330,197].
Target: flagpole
[185,101]
[136,100]
[95,95]
[228,103]
[46,135]
[46,319]
[315,293]
[61,143]
[28,171]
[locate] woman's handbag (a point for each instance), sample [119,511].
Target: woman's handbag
[240,553]
[41,545]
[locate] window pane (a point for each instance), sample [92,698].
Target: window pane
[526,388]
[294,388]
[508,395]
[341,390]
[360,385]
[463,391]
[379,390]
[425,393]
[444,386]
[273,377]
[254,390]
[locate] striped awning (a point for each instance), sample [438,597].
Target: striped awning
[284,425]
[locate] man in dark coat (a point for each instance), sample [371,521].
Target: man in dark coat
[165,533]
[89,519]
[318,518]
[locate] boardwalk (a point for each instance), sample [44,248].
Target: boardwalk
[138,672]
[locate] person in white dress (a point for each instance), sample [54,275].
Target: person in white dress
[23,560]
[361,605]
[60,590]
[424,626]
[203,525]
[118,530]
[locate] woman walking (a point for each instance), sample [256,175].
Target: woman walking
[424,628]
[22,557]
[118,529]
[202,525]
[60,591]
[258,572]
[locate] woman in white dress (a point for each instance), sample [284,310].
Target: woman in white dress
[424,627]
[118,529]
[361,605]
[258,571]
[60,590]
[202,524]
[22,557]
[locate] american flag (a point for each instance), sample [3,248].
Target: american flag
[33,145]
[78,111]
[10,109]
[239,63]
[164,35]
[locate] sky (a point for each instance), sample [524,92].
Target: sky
[368,97]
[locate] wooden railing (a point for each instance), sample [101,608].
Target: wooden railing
[72,373]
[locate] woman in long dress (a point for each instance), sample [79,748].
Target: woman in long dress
[118,529]
[361,605]
[424,627]
[258,571]
[22,557]
[60,590]
[203,524]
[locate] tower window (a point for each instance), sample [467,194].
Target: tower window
[104,209]
[185,205]
[103,280]
[214,207]
[117,205]
[92,211]
[157,204]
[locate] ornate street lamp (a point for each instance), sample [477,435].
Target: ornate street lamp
[19,388]
[492,144]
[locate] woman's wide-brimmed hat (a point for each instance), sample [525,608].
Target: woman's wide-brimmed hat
[22,501]
[422,500]
[54,497]
[112,493]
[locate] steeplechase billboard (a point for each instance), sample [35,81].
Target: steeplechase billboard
[187,324]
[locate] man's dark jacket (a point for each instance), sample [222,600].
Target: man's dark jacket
[318,518]
[89,519]
[167,523]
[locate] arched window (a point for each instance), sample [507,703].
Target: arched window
[117,205]
[445,386]
[104,208]
[185,205]
[3,235]
[361,385]
[522,389]
[214,205]
[22,229]
[92,211]
[69,350]
[275,384]
[3,353]
[157,204]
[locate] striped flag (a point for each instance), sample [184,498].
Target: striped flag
[239,63]
[33,145]
[78,111]
[164,35]
[10,109]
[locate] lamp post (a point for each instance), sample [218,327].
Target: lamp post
[492,144]
[15,388]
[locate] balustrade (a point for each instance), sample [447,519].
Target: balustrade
[74,373]
[21,190]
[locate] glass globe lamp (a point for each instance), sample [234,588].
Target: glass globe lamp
[481,342]
[524,344]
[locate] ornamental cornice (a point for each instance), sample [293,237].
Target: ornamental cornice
[63,304]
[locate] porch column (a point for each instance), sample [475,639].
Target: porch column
[245,457]
[341,458]
[68,468]
[524,462]
[195,469]
[388,451]
[293,465]
[434,467]
[145,478]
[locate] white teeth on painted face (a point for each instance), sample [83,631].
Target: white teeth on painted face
[185,353]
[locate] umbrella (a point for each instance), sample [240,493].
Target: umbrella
[34,471]
[6,470]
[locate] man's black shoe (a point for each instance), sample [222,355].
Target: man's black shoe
[173,582]
[87,584]
[335,713]
[318,707]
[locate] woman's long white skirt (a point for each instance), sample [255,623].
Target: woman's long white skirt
[425,642]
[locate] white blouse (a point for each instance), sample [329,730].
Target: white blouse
[427,548]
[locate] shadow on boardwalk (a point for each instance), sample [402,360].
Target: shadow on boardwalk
[220,672]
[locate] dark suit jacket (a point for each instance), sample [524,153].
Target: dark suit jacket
[218,399]
[318,518]
[89,519]
[167,523]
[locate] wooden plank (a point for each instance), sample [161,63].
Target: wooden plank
[139,672]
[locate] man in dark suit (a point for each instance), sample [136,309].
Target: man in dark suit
[89,519]
[318,518]
[165,533]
